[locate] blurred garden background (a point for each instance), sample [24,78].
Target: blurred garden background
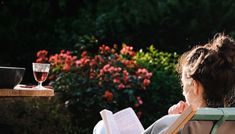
[104,54]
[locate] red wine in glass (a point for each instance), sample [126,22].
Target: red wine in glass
[40,76]
[40,73]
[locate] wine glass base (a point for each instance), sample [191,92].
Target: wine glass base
[40,87]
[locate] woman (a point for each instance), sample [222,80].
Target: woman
[208,80]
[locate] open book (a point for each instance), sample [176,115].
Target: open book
[122,122]
[126,122]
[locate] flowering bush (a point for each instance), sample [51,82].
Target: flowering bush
[110,79]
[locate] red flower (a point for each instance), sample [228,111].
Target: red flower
[116,80]
[143,73]
[146,82]
[98,58]
[92,74]
[121,86]
[66,67]
[63,61]
[139,100]
[127,50]
[139,114]
[84,54]
[125,76]
[82,62]
[42,53]
[105,49]
[42,56]
[136,105]
[108,95]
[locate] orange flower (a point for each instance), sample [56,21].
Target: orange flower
[108,95]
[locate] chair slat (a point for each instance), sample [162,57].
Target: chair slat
[214,114]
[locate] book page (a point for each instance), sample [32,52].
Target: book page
[109,122]
[128,122]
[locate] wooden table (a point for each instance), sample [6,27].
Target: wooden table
[15,102]
[26,91]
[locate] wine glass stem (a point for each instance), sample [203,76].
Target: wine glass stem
[40,84]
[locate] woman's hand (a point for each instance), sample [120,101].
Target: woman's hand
[178,108]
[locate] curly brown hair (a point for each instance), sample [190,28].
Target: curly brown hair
[213,65]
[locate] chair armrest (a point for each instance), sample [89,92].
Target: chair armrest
[214,114]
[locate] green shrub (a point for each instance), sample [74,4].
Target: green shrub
[164,89]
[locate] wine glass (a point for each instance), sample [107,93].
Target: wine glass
[40,73]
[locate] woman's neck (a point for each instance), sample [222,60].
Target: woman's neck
[198,103]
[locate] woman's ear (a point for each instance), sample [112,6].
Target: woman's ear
[197,87]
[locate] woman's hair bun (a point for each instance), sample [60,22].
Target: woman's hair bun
[225,48]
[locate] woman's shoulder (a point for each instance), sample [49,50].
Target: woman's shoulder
[162,124]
